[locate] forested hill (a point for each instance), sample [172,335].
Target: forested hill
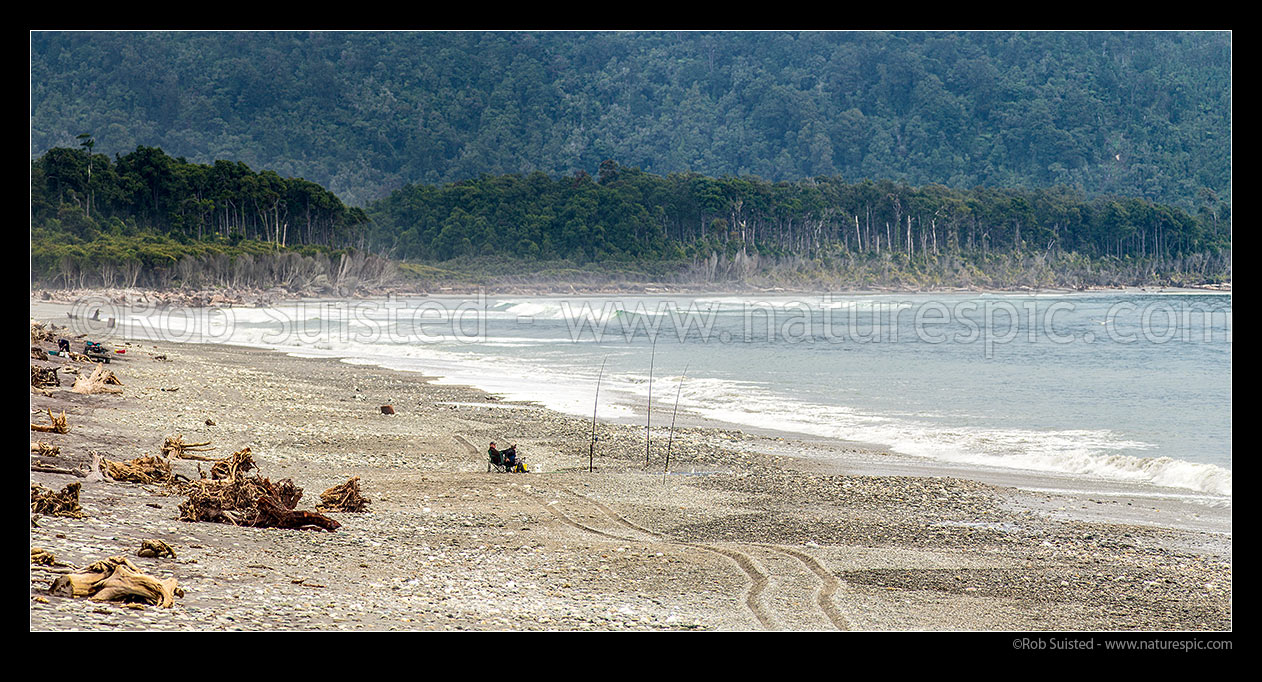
[1136,114]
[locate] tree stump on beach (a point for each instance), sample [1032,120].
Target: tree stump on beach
[101,381]
[229,496]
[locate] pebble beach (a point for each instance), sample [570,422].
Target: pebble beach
[746,532]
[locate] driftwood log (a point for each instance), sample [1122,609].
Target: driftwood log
[47,468]
[174,446]
[343,498]
[117,579]
[57,425]
[50,503]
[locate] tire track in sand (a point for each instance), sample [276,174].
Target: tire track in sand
[757,578]
[829,586]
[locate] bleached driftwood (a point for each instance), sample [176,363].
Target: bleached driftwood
[58,424]
[101,381]
[117,579]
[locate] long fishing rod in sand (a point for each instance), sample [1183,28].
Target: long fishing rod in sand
[649,420]
[672,421]
[591,446]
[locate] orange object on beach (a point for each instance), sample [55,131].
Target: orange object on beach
[120,351]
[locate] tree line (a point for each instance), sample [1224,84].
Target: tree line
[150,219]
[627,214]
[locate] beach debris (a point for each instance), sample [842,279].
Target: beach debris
[174,446]
[47,468]
[387,409]
[44,449]
[117,579]
[50,503]
[40,333]
[101,381]
[161,357]
[343,498]
[57,425]
[232,466]
[42,557]
[144,469]
[38,353]
[155,549]
[210,422]
[44,376]
[229,496]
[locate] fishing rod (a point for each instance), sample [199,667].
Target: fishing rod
[672,421]
[591,446]
[649,420]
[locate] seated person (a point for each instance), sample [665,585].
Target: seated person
[506,457]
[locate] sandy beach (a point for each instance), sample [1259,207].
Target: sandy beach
[747,532]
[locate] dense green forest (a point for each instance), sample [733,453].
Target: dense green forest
[146,217]
[1142,114]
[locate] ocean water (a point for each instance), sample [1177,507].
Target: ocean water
[1119,386]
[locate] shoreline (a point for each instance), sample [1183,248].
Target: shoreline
[275,295]
[598,551]
[1198,509]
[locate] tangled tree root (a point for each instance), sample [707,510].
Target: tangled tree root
[64,503]
[117,579]
[231,497]
[58,424]
[44,376]
[232,466]
[146,469]
[343,498]
[39,333]
[174,446]
[101,381]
